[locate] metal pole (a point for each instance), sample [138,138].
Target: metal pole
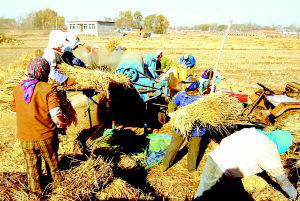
[218,59]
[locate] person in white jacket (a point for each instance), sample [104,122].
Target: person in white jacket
[59,48]
[248,152]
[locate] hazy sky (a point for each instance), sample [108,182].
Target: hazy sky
[178,12]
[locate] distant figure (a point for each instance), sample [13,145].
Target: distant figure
[38,114]
[245,153]
[85,54]
[162,63]
[187,64]
[93,57]
[206,80]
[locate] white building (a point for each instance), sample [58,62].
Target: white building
[90,27]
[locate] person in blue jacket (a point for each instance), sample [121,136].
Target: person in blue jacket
[188,62]
[182,99]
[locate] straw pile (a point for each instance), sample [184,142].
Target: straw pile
[209,112]
[126,162]
[12,187]
[80,182]
[112,44]
[95,79]
[10,78]
[120,189]
[7,39]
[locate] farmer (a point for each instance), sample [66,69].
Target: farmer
[93,57]
[248,152]
[55,49]
[182,99]
[206,80]
[187,64]
[162,63]
[38,115]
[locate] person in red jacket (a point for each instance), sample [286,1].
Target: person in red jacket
[38,115]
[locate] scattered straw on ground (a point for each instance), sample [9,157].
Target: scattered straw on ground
[12,187]
[8,39]
[211,111]
[80,182]
[120,189]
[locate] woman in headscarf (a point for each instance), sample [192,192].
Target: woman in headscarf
[59,48]
[182,99]
[38,115]
[245,153]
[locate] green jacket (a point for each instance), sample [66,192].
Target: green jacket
[164,64]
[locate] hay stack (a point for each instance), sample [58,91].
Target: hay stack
[210,112]
[80,182]
[119,189]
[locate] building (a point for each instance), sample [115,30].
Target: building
[95,27]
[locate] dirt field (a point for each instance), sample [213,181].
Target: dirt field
[244,62]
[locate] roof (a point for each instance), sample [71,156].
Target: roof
[85,21]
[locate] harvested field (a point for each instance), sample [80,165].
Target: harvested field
[119,173]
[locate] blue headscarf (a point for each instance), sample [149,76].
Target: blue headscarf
[282,139]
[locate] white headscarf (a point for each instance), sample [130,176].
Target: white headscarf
[57,40]
[72,41]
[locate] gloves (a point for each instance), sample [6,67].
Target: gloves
[171,114]
[286,185]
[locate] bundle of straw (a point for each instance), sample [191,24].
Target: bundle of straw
[120,189]
[78,183]
[7,39]
[95,79]
[209,112]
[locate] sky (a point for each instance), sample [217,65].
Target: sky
[178,12]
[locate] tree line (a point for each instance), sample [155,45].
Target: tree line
[152,23]
[49,19]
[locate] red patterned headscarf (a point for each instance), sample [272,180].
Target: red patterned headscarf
[38,69]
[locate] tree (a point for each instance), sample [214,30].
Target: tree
[138,18]
[47,19]
[124,19]
[149,22]
[161,24]
[222,27]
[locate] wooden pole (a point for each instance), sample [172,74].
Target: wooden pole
[218,59]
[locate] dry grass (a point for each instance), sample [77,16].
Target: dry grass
[80,182]
[120,189]
[210,112]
